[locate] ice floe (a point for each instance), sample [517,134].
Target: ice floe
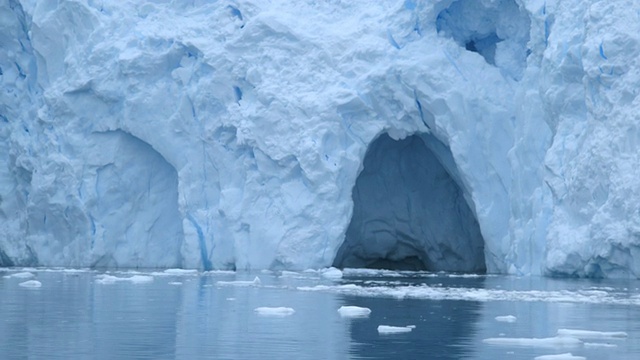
[354,311]
[135,279]
[255,282]
[565,356]
[20,275]
[31,284]
[552,342]
[506,318]
[274,311]
[387,329]
[590,334]
[431,292]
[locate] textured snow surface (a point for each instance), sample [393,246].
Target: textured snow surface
[236,134]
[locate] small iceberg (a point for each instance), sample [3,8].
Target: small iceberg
[20,275]
[506,318]
[31,284]
[387,329]
[256,282]
[331,273]
[135,279]
[354,311]
[274,311]
[566,356]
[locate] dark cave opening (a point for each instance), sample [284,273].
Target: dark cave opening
[410,213]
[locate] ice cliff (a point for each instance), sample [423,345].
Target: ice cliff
[235,134]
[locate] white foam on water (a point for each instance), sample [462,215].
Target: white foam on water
[175,283]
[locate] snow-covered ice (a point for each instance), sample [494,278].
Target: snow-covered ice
[274,311]
[506,318]
[354,311]
[208,136]
[388,329]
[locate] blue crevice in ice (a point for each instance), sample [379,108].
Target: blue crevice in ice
[602,55]
[206,263]
[238,93]
[392,41]
[419,106]
[235,12]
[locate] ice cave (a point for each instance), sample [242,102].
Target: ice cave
[410,212]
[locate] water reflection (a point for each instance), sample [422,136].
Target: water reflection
[72,316]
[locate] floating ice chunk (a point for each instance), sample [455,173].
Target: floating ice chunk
[135,279]
[554,342]
[354,311]
[175,283]
[370,272]
[506,318]
[31,284]
[566,356]
[140,279]
[589,334]
[180,272]
[231,299]
[331,273]
[274,311]
[20,275]
[599,345]
[255,282]
[386,329]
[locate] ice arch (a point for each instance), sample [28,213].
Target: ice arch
[135,221]
[410,213]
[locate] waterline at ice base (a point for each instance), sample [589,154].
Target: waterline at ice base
[489,136]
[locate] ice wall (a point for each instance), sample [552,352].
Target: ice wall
[237,130]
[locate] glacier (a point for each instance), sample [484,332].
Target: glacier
[489,135]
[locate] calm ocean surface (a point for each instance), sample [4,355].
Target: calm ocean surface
[187,315]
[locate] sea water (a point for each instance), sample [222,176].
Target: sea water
[177,314]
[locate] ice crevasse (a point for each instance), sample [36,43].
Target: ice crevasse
[489,135]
